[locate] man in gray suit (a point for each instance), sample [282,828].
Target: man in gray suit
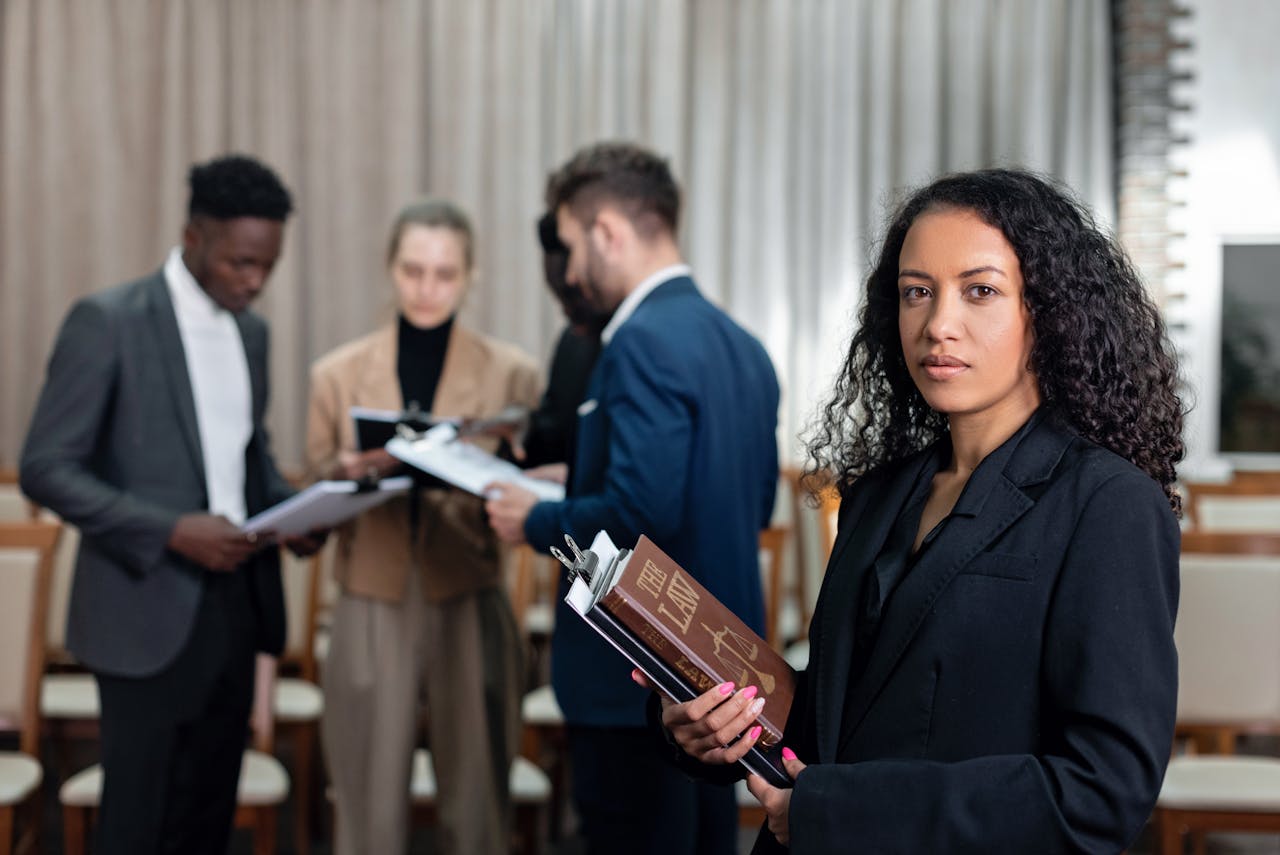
[148,436]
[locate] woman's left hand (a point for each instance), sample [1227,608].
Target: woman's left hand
[776,802]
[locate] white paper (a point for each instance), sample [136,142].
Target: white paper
[466,466]
[579,598]
[604,548]
[323,505]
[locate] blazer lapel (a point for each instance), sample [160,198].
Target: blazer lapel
[164,321]
[993,501]
[255,353]
[873,514]
[457,392]
[378,383]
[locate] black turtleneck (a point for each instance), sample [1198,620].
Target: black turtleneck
[419,360]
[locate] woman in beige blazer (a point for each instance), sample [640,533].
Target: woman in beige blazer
[422,611]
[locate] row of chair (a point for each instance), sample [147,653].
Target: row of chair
[1228,636]
[68,702]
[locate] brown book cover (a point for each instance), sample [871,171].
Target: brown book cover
[697,635]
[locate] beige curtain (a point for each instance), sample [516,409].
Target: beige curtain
[791,124]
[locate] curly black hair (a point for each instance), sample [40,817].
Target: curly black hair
[1100,352]
[237,186]
[634,178]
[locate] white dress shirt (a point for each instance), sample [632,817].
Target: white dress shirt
[629,304]
[219,373]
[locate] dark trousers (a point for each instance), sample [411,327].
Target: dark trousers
[172,742]
[631,800]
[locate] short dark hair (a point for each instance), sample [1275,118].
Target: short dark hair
[635,179]
[437,214]
[549,236]
[237,186]
[1100,353]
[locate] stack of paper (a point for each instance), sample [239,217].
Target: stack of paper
[323,505]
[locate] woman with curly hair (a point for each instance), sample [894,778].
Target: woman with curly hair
[992,664]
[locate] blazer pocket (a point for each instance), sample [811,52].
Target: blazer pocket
[1001,565]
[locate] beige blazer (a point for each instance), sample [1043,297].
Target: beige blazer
[454,546]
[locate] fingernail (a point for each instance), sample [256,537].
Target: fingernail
[749,692]
[754,733]
[757,706]
[635,675]
[788,754]
[726,688]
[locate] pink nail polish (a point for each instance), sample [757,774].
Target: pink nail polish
[788,754]
[749,692]
[635,676]
[726,688]
[754,733]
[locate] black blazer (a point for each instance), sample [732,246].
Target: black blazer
[114,449]
[1021,694]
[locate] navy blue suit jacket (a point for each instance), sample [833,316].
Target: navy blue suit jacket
[1021,694]
[676,440]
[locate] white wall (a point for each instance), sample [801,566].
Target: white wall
[1232,187]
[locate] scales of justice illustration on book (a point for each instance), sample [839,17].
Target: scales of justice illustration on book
[679,635]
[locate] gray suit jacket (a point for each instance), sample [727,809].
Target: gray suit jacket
[114,448]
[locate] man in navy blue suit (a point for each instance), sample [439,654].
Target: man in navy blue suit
[676,440]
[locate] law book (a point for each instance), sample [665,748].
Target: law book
[680,636]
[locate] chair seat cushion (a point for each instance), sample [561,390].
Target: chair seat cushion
[539,619]
[298,700]
[797,655]
[69,696]
[263,781]
[20,775]
[83,789]
[1245,784]
[528,783]
[540,708]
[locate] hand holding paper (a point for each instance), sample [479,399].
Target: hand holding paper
[508,506]
[320,507]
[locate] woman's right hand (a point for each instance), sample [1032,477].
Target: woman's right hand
[707,726]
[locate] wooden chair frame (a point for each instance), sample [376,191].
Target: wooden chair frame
[773,540]
[43,537]
[259,820]
[305,735]
[1173,825]
[1242,484]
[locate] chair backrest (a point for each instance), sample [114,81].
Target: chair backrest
[1250,501]
[776,591]
[828,510]
[64,568]
[532,581]
[813,532]
[303,579]
[14,506]
[1228,637]
[1238,513]
[26,556]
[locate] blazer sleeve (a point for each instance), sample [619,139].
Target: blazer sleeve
[650,417]
[57,469]
[1108,691]
[323,421]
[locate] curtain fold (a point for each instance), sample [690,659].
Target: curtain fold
[791,125]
